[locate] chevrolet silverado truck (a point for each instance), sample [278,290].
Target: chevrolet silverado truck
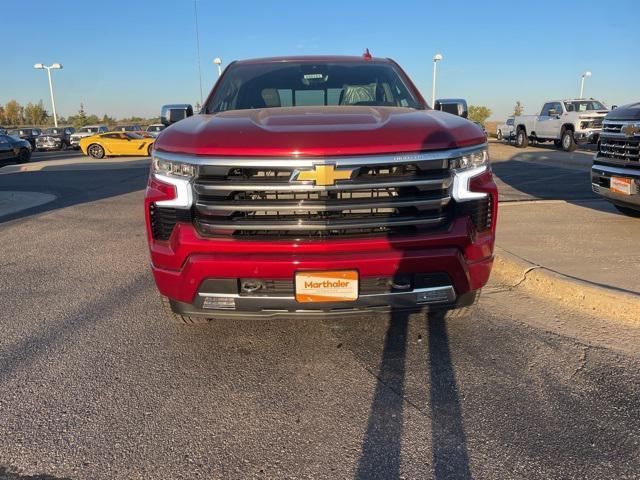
[318,186]
[615,173]
[564,122]
[84,132]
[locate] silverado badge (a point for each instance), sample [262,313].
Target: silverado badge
[323,175]
[630,129]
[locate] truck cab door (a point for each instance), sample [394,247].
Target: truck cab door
[544,124]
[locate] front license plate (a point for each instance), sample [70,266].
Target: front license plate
[621,185]
[329,286]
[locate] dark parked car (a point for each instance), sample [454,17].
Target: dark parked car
[127,128]
[28,134]
[13,149]
[55,138]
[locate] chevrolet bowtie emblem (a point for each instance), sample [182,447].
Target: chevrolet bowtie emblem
[630,129]
[323,175]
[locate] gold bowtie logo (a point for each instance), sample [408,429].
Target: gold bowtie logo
[630,129]
[323,175]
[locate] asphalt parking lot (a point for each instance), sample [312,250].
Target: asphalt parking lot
[95,384]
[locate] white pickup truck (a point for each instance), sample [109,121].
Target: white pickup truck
[565,122]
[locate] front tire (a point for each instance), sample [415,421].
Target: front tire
[568,142]
[628,211]
[95,151]
[499,135]
[463,312]
[24,156]
[178,319]
[522,141]
[150,150]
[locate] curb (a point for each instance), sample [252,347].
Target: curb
[579,295]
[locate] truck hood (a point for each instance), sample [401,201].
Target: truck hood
[625,112]
[82,134]
[319,131]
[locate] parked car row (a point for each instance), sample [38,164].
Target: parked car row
[62,138]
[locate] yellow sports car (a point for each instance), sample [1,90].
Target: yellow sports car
[116,143]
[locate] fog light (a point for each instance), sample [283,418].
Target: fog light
[219,303]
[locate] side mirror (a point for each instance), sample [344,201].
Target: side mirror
[613,107]
[456,106]
[170,114]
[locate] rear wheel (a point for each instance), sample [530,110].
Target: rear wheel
[628,211]
[499,135]
[24,155]
[178,319]
[150,149]
[568,141]
[95,151]
[522,140]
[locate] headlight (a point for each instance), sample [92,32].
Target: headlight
[473,159]
[167,167]
[466,167]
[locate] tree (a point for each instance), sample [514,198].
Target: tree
[107,120]
[35,114]
[518,109]
[3,119]
[479,114]
[13,113]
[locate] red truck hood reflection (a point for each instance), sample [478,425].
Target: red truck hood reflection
[318,131]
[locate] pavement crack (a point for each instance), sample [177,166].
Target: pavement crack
[582,362]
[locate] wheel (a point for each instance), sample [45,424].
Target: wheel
[628,211]
[150,149]
[499,135]
[95,151]
[463,312]
[522,140]
[557,143]
[178,319]
[567,141]
[24,155]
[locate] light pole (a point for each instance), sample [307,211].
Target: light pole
[436,58]
[55,66]
[584,75]
[218,62]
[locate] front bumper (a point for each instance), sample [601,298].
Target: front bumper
[183,266]
[601,183]
[587,136]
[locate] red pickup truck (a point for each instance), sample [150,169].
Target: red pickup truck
[317,186]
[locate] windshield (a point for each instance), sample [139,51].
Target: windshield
[133,135]
[89,130]
[18,132]
[155,128]
[252,86]
[55,131]
[584,105]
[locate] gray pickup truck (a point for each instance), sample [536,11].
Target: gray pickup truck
[615,174]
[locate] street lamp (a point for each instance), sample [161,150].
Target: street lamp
[218,62]
[55,66]
[436,58]
[584,75]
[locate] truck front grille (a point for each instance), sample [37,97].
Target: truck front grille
[616,147]
[378,199]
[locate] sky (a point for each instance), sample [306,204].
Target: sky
[128,58]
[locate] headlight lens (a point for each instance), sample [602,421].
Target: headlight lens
[473,159]
[167,167]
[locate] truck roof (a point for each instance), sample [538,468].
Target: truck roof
[313,59]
